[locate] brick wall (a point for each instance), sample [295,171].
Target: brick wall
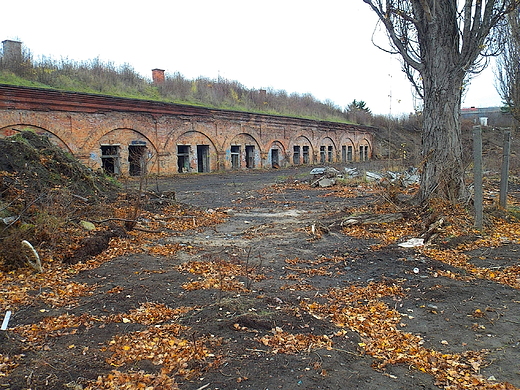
[130,136]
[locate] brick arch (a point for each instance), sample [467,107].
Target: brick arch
[251,131]
[9,130]
[326,140]
[203,155]
[367,153]
[115,136]
[246,136]
[124,139]
[248,158]
[193,135]
[279,144]
[366,142]
[348,155]
[300,138]
[349,140]
[324,152]
[305,157]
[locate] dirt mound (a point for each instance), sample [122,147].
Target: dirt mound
[44,192]
[36,165]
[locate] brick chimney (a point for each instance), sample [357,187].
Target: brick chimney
[158,76]
[12,53]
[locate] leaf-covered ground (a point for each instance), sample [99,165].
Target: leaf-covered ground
[254,289]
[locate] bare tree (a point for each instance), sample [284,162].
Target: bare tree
[508,66]
[442,43]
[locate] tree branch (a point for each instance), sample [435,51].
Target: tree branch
[385,17]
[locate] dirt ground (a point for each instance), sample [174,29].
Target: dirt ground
[271,299]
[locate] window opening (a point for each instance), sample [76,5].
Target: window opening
[330,154]
[110,159]
[305,153]
[235,156]
[349,153]
[296,155]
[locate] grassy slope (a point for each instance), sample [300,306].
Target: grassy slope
[150,93]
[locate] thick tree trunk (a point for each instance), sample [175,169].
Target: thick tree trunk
[442,174]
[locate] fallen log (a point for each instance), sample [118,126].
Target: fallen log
[369,218]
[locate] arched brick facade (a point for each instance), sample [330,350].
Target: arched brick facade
[130,136]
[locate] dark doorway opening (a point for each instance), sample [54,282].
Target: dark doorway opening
[250,156]
[183,158]
[203,158]
[137,160]
[110,159]
[275,158]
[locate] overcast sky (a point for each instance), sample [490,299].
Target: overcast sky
[323,48]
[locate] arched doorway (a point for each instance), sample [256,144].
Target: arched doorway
[276,156]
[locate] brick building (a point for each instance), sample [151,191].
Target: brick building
[130,136]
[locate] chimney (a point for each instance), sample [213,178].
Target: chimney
[12,58]
[158,76]
[262,96]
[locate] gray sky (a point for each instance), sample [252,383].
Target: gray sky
[323,48]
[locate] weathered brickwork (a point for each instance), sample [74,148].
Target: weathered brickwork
[130,137]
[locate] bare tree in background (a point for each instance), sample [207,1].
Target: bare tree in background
[442,43]
[508,66]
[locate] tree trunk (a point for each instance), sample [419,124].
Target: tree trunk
[442,174]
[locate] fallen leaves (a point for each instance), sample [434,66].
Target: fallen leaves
[117,380]
[283,342]
[457,223]
[8,363]
[360,310]
[34,335]
[508,275]
[150,313]
[221,275]
[162,345]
